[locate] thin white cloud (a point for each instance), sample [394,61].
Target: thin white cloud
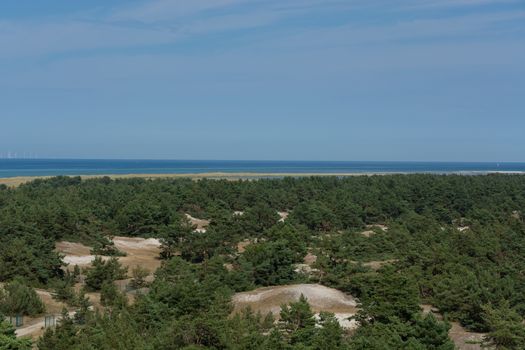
[175,20]
[40,38]
[175,10]
[162,10]
[457,3]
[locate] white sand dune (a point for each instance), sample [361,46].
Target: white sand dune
[321,298]
[283,215]
[200,224]
[79,260]
[124,243]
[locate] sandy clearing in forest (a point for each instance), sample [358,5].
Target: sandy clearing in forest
[52,306]
[462,338]
[241,246]
[283,215]
[466,340]
[305,269]
[310,259]
[321,298]
[382,227]
[201,224]
[75,253]
[140,252]
[134,243]
[33,326]
[376,265]
[73,249]
[344,321]
[31,329]
[368,233]
[306,266]
[80,260]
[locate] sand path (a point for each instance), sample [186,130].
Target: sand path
[35,327]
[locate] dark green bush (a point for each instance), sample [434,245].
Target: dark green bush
[17,298]
[104,271]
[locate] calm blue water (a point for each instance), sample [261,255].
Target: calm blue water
[39,167]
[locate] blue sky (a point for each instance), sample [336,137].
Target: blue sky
[264,79]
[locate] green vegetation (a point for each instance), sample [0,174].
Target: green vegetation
[8,340]
[455,242]
[104,272]
[16,298]
[105,246]
[269,263]
[139,275]
[507,330]
[111,297]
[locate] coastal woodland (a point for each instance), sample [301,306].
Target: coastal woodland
[396,243]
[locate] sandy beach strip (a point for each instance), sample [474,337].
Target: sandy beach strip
[18,180]
[15,181]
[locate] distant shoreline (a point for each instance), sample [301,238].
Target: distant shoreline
[231,169]
[18,180]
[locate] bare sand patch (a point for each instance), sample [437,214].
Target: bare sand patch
[283,215]
[75,253]
[376,265]
[344,320]
[73,249]
[310,259]
[305,269]
[201,224]
[134,243]
[382,227]
[462,338]
[241,246]
[321,298]
[461,224]
[368,233]
[80,260]
[34,326]
[466,340]
[52,306]
[140,252]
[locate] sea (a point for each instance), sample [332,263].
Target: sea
[53,167]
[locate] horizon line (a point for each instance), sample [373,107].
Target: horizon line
[267,160]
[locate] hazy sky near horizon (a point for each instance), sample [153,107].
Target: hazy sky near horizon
[264,79]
